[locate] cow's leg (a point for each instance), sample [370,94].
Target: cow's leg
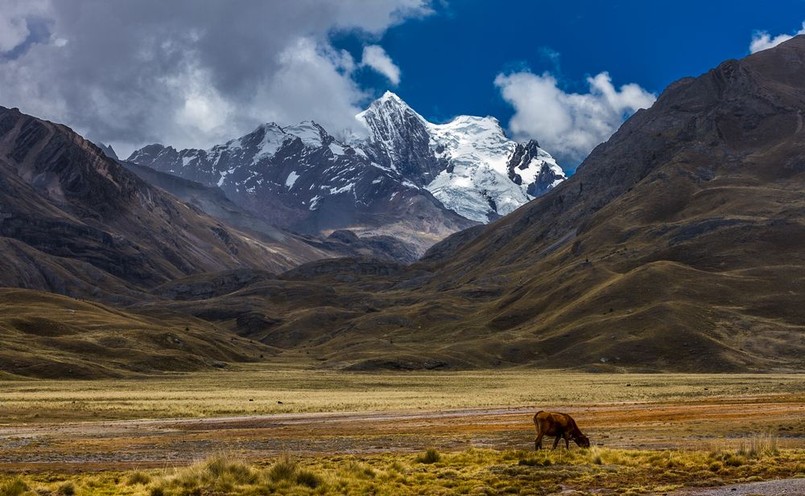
[567,442]
[556,441]
[538,441]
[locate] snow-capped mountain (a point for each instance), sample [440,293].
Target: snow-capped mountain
[468,163]
[301,178]
[410,178]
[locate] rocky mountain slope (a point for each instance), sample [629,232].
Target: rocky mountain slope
[74,221]
[410,179]
[676,246]
[214,202]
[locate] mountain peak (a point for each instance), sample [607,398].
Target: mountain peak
[268,125]
[389,102]
[390,96]
[311,134]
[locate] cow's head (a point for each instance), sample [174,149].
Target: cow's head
[582,440]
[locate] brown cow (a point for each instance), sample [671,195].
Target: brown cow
[560,425]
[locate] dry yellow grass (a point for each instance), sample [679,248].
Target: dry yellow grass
[650,432]
[470,471]
[268,389]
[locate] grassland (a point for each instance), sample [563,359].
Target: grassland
[260,389]
[471,471]
[261,429]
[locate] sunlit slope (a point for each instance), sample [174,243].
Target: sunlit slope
[47,335]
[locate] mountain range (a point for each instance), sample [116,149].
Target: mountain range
[676,246]
[409,178]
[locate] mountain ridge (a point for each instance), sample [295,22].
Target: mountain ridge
[410,179]
[64,198]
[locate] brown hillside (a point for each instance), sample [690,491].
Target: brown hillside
[48,335]
[678,245]
[74,221]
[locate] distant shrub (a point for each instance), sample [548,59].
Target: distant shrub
[430,456]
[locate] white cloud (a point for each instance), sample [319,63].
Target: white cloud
[311,82]
[762,40]
[568,125]
[14,18]
[186,72]
[375,57]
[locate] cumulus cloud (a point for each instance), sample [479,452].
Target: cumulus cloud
[186,72]
[762,40]
[375,57]
[568,125]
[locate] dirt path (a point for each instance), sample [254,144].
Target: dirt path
[81,446]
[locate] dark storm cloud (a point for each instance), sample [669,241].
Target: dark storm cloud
[185,72]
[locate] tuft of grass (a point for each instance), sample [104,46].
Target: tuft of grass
[361,470]
[217,475]
[284,469]
[138,477]
[759,445]
[14,487]
[430,456]
[66,489]
[308,478]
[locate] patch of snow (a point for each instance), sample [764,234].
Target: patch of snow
[291,179]
[342,189]
[336,149]
[272,141]
[314,202]
[308,132]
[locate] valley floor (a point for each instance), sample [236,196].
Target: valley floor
[727,427]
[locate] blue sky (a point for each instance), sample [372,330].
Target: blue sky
[193,73]
[449,60]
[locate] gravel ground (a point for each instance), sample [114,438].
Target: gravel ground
[783,487]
